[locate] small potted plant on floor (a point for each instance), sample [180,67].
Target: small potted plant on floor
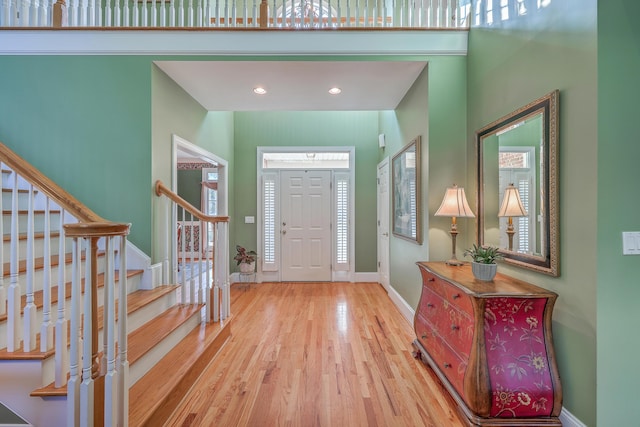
[246,259]
[484,258]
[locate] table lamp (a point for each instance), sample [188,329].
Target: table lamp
[454,205]
[511,206]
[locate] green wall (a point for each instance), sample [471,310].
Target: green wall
[618,207]
[85,122]
[511,65]
[309,128]
[190,186]
[174,112]
[435,109]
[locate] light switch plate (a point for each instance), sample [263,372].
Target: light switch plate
[249,219]
[631,243]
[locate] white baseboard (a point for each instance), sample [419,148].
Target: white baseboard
[569,420]
[566,417]
[366,277]
[405,309]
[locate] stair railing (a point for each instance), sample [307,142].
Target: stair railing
[200,268]
[92,372]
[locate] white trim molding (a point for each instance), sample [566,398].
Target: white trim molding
[569,420]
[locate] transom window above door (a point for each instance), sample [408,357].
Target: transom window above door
[306,160]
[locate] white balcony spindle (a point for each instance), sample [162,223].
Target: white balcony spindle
[13,293]
[111,374]
[183,262]
[46,330]
[154,13]
[6,13]
[72,10]
[88,384]
[84,12]
[135,18]
[107,14]
[125,14]
[62,355]
[190,14]
[73,385]
[163,15]
[25,12]
[30,310]
[123,363]
[117,14]
[209,255]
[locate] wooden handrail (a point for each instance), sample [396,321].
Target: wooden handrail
[96,229]
[163,189]
[47,186]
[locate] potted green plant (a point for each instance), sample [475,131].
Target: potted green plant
[483,264]
[246,260]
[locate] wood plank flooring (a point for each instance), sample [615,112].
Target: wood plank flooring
[316,354]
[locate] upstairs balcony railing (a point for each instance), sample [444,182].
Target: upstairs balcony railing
[241,14]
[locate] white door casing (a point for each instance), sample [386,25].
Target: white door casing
[305,216]
[383,223]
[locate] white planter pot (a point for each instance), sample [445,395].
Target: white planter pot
[247,267]
[485,272]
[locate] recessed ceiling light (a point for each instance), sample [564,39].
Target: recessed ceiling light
[335,90]
[259,90]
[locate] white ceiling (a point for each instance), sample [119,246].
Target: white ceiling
[295,85]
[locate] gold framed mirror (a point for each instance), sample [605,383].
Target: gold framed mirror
[518,185]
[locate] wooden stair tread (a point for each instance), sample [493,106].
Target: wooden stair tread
[148,335]
[35,211]
[20,190]
[38,263]
[38,295]
[142,297]
[23,236]
[155,396]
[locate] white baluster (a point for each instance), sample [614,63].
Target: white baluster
[154,12]
[136,14]
[117,14]
[13,294]
[61,336]
[84,9]
[125,14]
[225,270]
[226,13]
[3,289]
[216,273]
[111,375]
[209,255]
[172,13]
[145,17]
[163,14]
[183,268]
[25,12]
[123,363]
[192,249]
[30,310]
[46,331]
[87,385]
[73,385]
[43,16]
[6,13]
[91,14]
[190,13]
[33,14]
[107,14]
[99,22]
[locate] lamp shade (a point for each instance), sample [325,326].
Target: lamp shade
[455,204]
[511,203]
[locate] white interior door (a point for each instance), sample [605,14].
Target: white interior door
[383,223]
[305,225]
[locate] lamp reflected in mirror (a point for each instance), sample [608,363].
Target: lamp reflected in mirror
[456,206]
[511,207]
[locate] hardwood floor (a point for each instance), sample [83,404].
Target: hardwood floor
[316,354]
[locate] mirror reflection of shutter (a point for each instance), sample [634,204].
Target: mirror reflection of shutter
[524,222]
[269,215]
[341,186]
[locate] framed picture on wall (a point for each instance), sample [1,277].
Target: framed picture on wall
[407,215]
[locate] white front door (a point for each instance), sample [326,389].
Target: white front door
[305,225]
[383,223]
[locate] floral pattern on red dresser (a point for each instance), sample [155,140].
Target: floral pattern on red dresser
[519,373]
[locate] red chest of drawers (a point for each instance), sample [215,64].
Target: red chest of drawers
[491,345]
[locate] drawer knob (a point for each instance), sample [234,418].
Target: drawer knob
[455,327]
[431,279]
[430,305]
[456,296]
[447,365]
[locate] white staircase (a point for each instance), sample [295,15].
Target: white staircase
[168,342]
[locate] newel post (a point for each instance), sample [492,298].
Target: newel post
[92,388]
[264,14]
[59,18]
